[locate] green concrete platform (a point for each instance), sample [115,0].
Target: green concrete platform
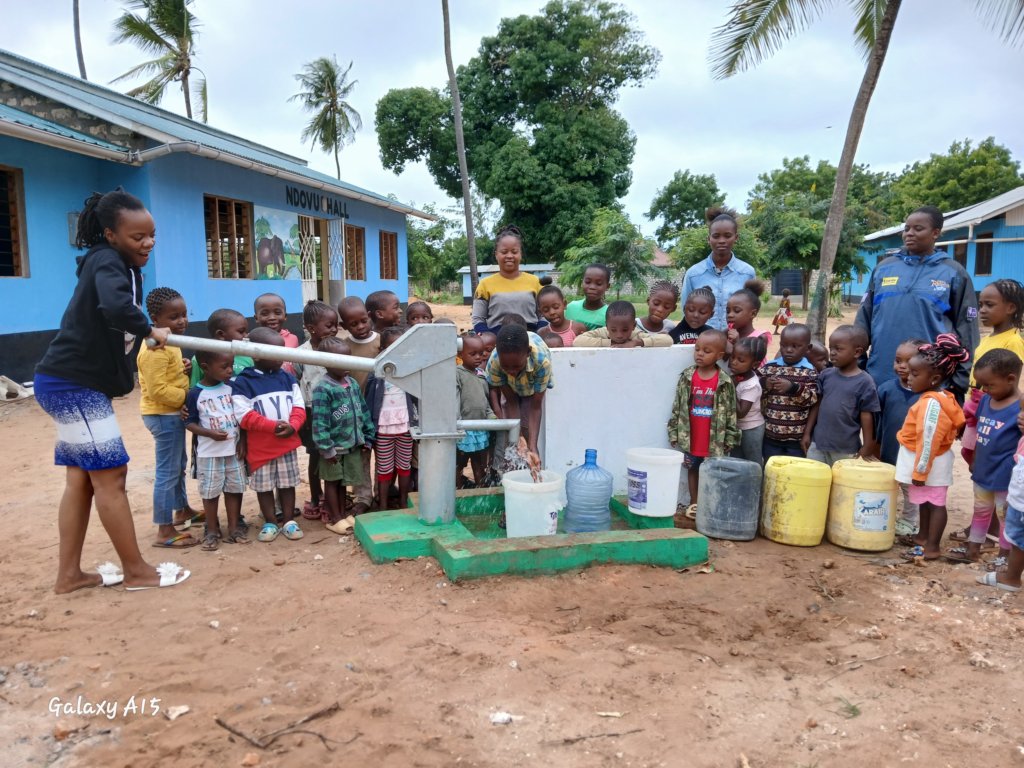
[475,546]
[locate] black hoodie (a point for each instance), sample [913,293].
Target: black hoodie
[91,348]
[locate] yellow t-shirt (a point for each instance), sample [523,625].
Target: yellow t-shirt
[497,296]
[1010,340]
[162,380]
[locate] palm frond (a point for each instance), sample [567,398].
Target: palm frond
[152,91]
[202,94]
[132,28]
[756,29]
[869,18]
[145,68]
[1006,17]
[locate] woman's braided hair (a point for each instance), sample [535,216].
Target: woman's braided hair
[157,299]
[945,354]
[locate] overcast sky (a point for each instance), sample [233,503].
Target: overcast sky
[947,77]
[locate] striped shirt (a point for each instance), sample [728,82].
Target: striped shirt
[785,416]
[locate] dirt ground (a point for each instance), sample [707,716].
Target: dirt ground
[778,656]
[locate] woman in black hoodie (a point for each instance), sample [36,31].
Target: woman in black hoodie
[87,364]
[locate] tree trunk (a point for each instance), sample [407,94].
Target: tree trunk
[78,40]
[460,147]
[818,316]
[188,94]
[337,163]
[805,281]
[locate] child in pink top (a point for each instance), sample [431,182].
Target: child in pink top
[551,306]
[740,311]
[269,311]
[745,354]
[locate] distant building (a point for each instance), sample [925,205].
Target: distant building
[986,238]
[234,219]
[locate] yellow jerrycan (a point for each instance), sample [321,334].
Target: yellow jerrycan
[862,507]
[795,500]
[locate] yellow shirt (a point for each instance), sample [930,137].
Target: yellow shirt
[1010,340]
[162,380]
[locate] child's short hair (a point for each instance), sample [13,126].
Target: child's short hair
[219,319]
[1013,293]
[800,328]
[314,310]
[755,346]
[621,309]
[515,319]
[1002,362]
[391,333]
[550,290]
[600,268]
[418,305]
[263,335]
[158,298]
[205,357]
[375,301]
[717,335]
[857,335]
[262,296]
[553,340]
[751,291]
[333,344]
[664,285]
[350,302]
[513,338]
[945,354]
[703,292]
[785,293]
[914,342]
[444,321]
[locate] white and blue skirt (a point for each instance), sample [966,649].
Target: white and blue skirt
[88,435]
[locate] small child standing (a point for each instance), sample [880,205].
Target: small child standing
[742,364]
[1009,580]
[418,312]
[925,458]
[473,404]
[895,397]
[784,315]
[164,383]
[268,405]
[551,306]
[997,374]
[790,386]
[211,418]
[697,310]
[591,309]
[621,331]
[662,300]
[225,325]
[392,413]
[269,312]
[848,405]
[363,341]
[343,434]
[321,322]
[703,421]
[740,311]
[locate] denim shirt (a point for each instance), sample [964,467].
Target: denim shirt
[723,284]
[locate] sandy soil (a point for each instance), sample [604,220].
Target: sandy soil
[778,656]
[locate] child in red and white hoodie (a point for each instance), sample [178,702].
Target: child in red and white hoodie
[269,408]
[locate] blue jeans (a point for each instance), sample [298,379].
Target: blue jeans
[171,461]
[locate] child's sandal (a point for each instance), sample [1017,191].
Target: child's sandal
[211,541]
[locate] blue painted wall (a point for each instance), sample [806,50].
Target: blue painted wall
[56,182]
[1007,258]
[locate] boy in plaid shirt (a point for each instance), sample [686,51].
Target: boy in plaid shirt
[790,386]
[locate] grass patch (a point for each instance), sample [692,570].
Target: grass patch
[848,709]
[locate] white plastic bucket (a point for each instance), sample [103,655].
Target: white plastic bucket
[531,509]
[652,475]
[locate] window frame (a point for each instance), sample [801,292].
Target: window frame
[355,253]
[987,252]
[16,211]
[389,251]
[240,263]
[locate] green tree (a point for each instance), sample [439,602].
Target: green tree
[692,246]
[755,29]
[325,93]
[681,204]
[612,240]
[167,31]
[541,133]
[963,176]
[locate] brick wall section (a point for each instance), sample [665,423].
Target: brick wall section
[48,109]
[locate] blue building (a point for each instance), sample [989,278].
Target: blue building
[234,219]
[986,238]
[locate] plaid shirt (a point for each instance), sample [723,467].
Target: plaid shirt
[533,379]
[725,435]
[341,419]
[785,416]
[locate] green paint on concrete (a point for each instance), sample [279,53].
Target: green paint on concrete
[475,545]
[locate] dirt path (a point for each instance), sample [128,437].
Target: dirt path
[777,657]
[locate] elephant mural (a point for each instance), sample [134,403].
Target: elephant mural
[270,251]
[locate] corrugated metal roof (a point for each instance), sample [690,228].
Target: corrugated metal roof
[964,217]
[161,125]
[13,115]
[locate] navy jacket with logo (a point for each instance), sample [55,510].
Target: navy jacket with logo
[917,297]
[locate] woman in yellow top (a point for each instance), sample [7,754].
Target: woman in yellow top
[510,291]
[163,379]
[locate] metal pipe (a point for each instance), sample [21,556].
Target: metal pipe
[40,136]
[437,480]
[487,425]
[272,352]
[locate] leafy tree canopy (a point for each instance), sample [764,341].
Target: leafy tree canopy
[542,137]
[963,176]
[681,204]
[614,241]
[692,246]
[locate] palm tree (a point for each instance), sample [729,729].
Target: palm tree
[78,39]
[325,88]
[460,146]
[168,32]
[757,28]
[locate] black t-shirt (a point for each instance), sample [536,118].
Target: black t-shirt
[684,334]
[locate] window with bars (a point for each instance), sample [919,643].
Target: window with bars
[388,256]
[355,253]
[228,237]
[983,254]
[12,241]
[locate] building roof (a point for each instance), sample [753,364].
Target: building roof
[491,268]
[12,115]
[163,126]
[965,217]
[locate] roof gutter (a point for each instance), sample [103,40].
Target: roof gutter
[40,136]
[195,148]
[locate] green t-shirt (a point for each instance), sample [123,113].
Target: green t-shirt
[241,363]
[592,318]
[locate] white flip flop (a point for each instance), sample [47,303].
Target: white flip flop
[171,574]
[110,574]
[991,579]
